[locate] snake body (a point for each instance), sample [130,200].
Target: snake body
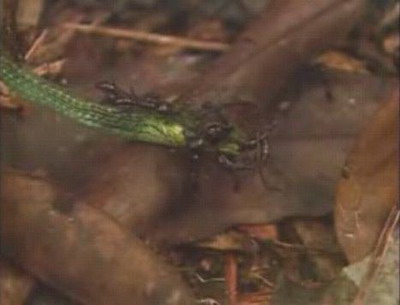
[140,125]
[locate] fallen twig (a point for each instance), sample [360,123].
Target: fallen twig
[148,37]
[231,274]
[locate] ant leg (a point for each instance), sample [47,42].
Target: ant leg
[216,131]
[111,89]
[262,154]
[106,86]
[114,95]
[263,149]
[153,102]
[234,164]
[108,90]
[118,97]
[194,145]
[254,143]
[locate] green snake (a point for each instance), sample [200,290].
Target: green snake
[142,125]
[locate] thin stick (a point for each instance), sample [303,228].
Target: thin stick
[36,44]
[148,37]
[231,277]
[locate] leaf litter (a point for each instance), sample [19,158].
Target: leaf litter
[281,247]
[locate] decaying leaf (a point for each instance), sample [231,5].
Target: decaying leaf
[369,185]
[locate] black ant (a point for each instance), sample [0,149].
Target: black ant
[259,146]
[217,129]
[116,96]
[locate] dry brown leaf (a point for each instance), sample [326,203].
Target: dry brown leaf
[79,250]
[369,185]
[284,36]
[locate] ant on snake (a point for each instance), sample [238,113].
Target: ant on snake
[214,128]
